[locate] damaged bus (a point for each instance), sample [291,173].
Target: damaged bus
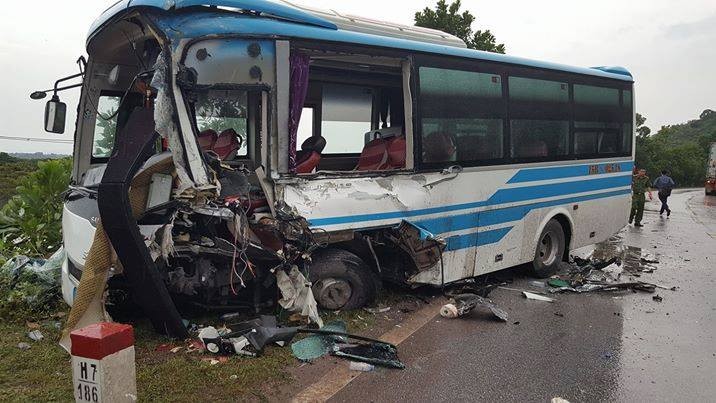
[226,149]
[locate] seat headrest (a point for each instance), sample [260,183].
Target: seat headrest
[314,143]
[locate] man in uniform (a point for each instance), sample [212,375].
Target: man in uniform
[639,186]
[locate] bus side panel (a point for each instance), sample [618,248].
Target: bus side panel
[603,217]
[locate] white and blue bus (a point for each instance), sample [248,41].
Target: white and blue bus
[402,154]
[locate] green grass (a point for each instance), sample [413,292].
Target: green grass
[43,372]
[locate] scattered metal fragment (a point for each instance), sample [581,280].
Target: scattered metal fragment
[536,297]
[465,303]
[657,298]
[375,353]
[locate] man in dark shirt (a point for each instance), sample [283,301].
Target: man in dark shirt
[664,184]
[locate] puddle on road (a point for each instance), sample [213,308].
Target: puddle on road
[633,259]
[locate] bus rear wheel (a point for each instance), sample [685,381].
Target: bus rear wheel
[549,251]
[341,280]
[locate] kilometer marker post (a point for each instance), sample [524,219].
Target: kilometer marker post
[103,368]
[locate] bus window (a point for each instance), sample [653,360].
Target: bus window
[626,99]
[345,117]
[597,96]
[539,138]
[592,138]
[534,90]
[105,127]
[221,116]
[305,125]
[461,116]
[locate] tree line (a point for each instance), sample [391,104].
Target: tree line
[681,149]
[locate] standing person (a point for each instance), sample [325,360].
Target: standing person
[664,184]
[639,186]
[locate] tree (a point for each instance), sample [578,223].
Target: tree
[449,19]
[641,130]
[30,222]
[707,114]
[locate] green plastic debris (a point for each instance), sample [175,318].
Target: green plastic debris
[557,282]
[316,346]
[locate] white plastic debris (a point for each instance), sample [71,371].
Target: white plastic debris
[205,335]
[361,366]
[36,335]
[23,346]
[449,311]
[536,297]
[297,294]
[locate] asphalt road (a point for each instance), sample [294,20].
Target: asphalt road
[609,346]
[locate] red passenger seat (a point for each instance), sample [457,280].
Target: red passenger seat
[308,158]
[374,155]
[227,144]
[207,139]
[396,153]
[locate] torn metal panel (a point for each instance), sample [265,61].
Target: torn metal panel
[420,244]
[164,121]
[194,159]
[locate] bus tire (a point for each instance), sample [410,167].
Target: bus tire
[549,250]
[341,280]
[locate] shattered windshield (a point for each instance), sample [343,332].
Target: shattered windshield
[221,119]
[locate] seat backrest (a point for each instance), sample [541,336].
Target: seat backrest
[227,144]
[439,147]
[396,153]
[373,156]
[310,155]
[207,139]
[532,149]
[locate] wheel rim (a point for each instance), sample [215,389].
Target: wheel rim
[548,248]
[332,293]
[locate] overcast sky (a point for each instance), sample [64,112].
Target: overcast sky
[668,45]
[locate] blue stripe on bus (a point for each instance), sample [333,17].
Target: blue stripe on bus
[486,218]
[540,174]
[500,197]
[512,195]
[457,242]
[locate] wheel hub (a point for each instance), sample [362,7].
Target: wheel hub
[547,249]
[332,293]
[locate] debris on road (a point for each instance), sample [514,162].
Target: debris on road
[536,297]
[375,353]
[361,366]
[589,275]
[317,345]
[657,298]
[35,335]
[377,310]
[465,303]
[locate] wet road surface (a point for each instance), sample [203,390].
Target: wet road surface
[606,346]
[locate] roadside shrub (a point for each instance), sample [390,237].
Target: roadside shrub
[30,222]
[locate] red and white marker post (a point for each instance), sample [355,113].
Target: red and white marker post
[103,363]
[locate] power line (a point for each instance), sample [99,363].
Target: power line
[41,140]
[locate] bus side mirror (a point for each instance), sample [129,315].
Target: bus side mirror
[55,112]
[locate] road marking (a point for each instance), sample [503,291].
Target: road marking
[339,376]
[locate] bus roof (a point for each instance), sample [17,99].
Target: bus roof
[286,20]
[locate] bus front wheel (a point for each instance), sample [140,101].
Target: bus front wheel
[549,251]
[341,280]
